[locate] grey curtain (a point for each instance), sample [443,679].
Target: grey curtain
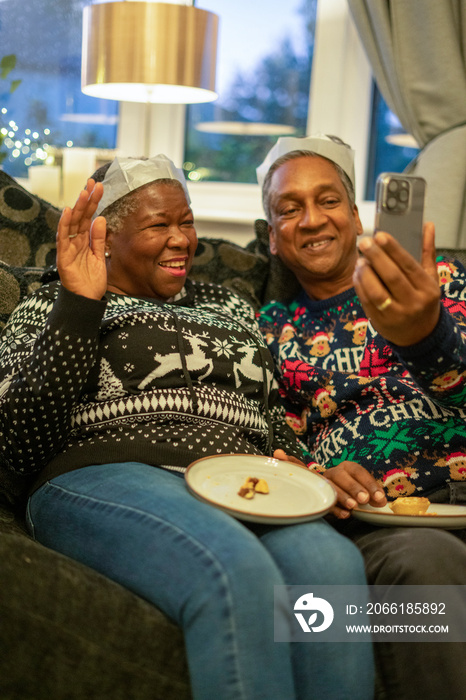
[417,50]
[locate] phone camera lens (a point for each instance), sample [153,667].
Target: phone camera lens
[404,195]
[391,203]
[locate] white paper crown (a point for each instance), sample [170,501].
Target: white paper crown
[319,143]
[127,174]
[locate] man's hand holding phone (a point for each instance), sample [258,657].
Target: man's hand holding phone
[400,296]
[396,276]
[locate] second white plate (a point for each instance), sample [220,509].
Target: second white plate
[449,517]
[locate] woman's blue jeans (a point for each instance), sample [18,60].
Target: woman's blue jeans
[212,575]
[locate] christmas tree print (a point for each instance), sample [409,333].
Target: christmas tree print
[110,387]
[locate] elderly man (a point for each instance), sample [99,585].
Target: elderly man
[371,356]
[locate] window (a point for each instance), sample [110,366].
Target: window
[47,111]
[263,80]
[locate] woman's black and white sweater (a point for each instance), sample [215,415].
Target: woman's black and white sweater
[128,379]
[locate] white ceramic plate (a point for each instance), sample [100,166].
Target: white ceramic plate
[447,516]
[296,494]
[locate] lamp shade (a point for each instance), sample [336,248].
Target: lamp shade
[149,52]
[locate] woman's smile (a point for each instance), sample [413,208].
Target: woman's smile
[176,266]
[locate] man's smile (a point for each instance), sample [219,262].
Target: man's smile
[318,244]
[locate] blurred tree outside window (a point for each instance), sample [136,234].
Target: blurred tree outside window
[47,111]
[263,80]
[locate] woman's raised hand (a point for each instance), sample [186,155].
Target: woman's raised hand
[81,245]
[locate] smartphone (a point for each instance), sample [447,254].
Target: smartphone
[400,209]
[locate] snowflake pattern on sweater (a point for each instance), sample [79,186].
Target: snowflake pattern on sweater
[129,379]
[350,395]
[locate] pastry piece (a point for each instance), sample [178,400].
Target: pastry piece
[410,505]
[251,486]
[246,492]
[261,486]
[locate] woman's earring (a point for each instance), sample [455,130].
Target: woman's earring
[107,254]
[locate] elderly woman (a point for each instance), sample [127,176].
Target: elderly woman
[115,379]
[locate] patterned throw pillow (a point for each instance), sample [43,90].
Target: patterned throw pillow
[28,226]
[241,270]
[278,283]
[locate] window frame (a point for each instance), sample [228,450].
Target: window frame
[340,95]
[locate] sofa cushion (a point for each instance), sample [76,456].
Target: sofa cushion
[279,282]
[69,633]
[28,226]
[223,262]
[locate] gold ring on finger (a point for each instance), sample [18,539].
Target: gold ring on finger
[72,235]
[385,304]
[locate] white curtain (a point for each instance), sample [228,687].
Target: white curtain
[417,50]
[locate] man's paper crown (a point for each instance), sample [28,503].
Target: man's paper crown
[319,143]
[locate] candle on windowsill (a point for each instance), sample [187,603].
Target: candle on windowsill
[78,166]
[44,181]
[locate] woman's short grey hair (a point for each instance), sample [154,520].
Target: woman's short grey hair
[127,205]
[346,182]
